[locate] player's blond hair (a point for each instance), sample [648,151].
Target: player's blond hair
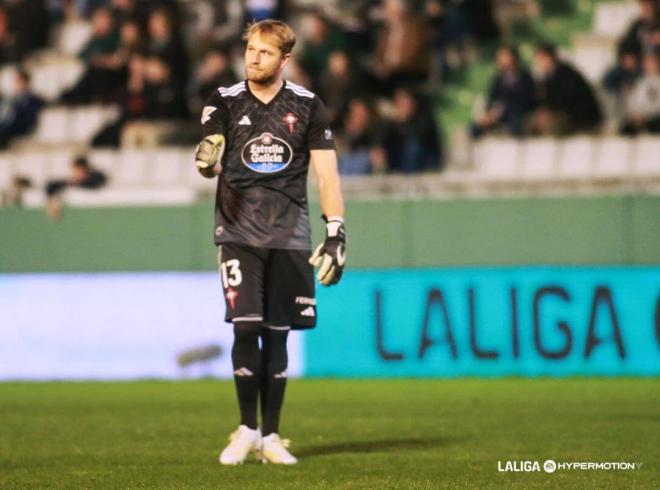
[276,31]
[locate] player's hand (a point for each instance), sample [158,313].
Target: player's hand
[330,256]
[208,153]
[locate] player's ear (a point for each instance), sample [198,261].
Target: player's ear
[285,60]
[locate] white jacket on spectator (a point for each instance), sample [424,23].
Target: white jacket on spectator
[644,98]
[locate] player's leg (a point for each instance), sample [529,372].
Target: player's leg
[273,376]
[241,271]
[290,302]
[274,364]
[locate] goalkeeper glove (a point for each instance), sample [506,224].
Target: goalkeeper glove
[330,256]
[208,153]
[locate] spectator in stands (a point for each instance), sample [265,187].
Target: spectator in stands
[567,103]
[219,23]
[621,78]
[161,103]
[643,102]
[24,27]
[100,77]
[319,40]
[339,81]
[212,72]
[411,138]
[19,113]
[402,55]
[8,49]
[361,148]
[166,44]
[449,36]
[82,176]
[644,33]
[511,96]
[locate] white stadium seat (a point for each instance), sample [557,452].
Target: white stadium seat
[613,157]
[131,168]
[72,37]
[53,125]
[647,157]
[166,167]
[613,18]
[539,156]
[105,161]
[59,163]
[497,159]
[576,158]
[33,166]
[137,196]
[6,170]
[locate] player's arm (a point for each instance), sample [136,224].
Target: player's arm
[330,256]
[208,154]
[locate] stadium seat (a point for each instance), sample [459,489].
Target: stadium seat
[131,167]
[7,76]
[539,157]
[32,165]
[105,160]
[646,162]
[613,157]
[87,121]
[593,57]
[72,37]
[53,126]
[167,167]
[59,163]
[497,160]
[611,19]
[52,75]
[575,158]
[6,170]
[138,196]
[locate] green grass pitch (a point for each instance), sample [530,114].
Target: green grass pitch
[346,434]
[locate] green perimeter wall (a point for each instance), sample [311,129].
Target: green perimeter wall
[382,234]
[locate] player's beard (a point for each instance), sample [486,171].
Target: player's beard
[261,77]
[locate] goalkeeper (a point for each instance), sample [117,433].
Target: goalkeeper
[260,137]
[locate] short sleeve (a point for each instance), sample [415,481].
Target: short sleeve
[214,115]
[319,136]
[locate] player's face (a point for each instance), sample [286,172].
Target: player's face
[264,61]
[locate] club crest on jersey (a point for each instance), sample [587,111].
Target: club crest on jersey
[266,154]
[290,120]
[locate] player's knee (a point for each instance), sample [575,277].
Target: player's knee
[247,329]
[277,353]
[245,351]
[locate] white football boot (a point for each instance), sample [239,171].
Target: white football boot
[242,442]
[273,450]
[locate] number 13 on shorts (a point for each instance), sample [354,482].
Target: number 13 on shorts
[231,273]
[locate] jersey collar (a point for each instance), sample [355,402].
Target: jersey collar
[271,101]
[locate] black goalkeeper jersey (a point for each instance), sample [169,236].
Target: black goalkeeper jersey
[261,198]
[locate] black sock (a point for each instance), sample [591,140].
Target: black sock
[246,360]
[273,378]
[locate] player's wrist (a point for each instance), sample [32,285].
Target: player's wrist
[334,226]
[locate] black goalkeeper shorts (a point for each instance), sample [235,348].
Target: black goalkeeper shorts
[271,285]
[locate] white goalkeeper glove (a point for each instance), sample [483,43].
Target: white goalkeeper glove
[330,256]
[209,153]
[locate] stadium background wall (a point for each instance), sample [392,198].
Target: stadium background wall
[613,230]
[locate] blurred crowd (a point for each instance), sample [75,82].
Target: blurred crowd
[377,64]
[554,98]
[371,61]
